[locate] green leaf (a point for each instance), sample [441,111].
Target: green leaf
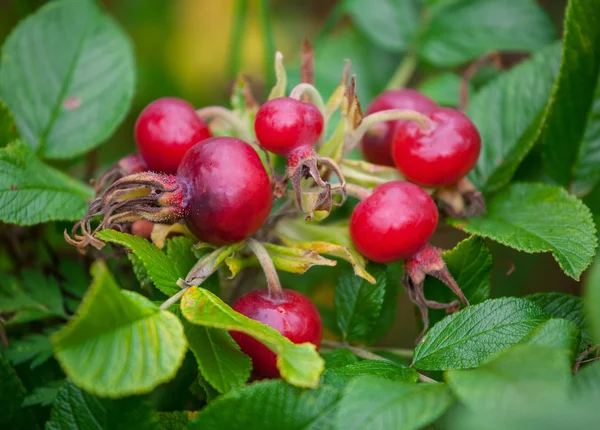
[8,128]
[163,272]
[389,308]
[75,409]
[592,300]
[33,193]
[513,377]
[572,100]
[44,395]
[558,334]
[119,343]
[507,113]
[539,218]
[562,305]
[219,358]
[339,357]
[12,393]
[443,88]
[299,364]
[339,377]
[470,263]
[177,420]
[389,24]
[371,402]
[458,31]
[181,253]
[295,260]
[357,303]
[467,338]
[80,82]
[587,173]
[35,348]
[33,298]
[270,405]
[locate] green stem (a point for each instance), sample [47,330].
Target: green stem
[237,37]
[269,41]
[404,72]
[267,265]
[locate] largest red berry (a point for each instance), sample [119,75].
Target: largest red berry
[376,145]
[393,223]
[293,315]
[226,190]
[442,153]
[165,130]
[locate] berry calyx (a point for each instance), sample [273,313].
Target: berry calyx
[221,190]
[164,132]
[376,145]
[440,154]
[283,125]
[129,165]
[292,314]
[394,223]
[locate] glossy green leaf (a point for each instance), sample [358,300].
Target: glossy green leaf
[556,333]
[539,218]
[389,308]
[358,304]
[371,402]
[270,405]
[219,358]
[299,364]
[458,31]
[443,88]
[35,348]
[339,357]
[470,263]
[389,24]
[567,114]
[592,300]
[44,395]
[340,376]
[80,82]
[33,193]
[587,171]
[521,374]
[12,393]
[74,409]
[163,272]
[181,254]
[467,338]
[507,112]
[119,343]
[33,297]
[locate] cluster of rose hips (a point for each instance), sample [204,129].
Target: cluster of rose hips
[220,188]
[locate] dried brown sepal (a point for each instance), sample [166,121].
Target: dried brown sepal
[128,165]
[336,98]
[307,66]
[428,261]
[351,110]
[148,196]
[461,200]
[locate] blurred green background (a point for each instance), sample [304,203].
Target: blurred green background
[194,48]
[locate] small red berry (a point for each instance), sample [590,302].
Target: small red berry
[284,125]
[293,315]
[376,145]
[393,223]
[165,130]
[142,228]
[227,193]
[441,154]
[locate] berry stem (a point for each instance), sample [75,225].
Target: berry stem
[229,117]
[358,191]
[403,72]
[173,299]
[381,116]
[267,265]
[315,97]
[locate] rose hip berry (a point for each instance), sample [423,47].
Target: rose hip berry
[292,314]
[164,132]
[393,223]
[376,145]
[221,190]
[284,125]
[440,154]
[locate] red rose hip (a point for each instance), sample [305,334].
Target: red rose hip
[440,154]
[376,144]
[164,132]
[292,314]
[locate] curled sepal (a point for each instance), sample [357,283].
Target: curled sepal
[150,196]
[428,261]
[126,166]
[304,164]
[461,200]
[280,76]
[208,264]
[368,175]
[162,232]
[331,239]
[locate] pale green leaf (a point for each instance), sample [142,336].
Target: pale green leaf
[33,193]
[295,260]
[119,343]
[467,338]
[79,82]
[539,218]
[299,364]
[592,300]
[371,402]
[443,88]
[558,334]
